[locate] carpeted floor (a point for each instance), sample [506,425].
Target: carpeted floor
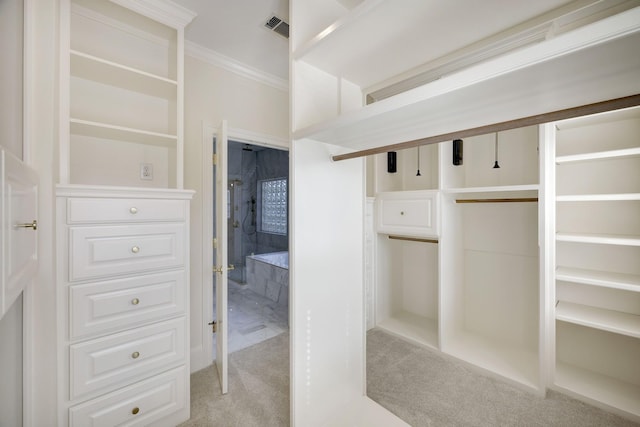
[421,386]
[426,388]
[258,389]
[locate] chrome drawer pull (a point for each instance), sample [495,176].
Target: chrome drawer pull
[135,354]
[135,301]
[133,210]
[135,249]
[135,410]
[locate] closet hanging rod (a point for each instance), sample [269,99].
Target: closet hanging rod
[553,116]
[414,239]
[509,200]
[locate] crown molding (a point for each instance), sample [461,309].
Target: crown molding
[165,11]
[219,60]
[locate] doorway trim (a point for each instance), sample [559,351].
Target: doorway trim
[205,358]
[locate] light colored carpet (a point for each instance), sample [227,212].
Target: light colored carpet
[258,389]
[426,388]
[421,386]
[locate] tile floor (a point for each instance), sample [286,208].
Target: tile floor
[252,318]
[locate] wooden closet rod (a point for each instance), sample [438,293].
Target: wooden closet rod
[413,239]
[510,200]
[569,113]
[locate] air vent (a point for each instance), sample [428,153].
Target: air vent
[278,26]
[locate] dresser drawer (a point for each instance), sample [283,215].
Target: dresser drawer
[119,359]
[91,210]
[141,404]
[113,305]
[407,213]
[122,249]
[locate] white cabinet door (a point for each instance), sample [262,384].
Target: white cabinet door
[18,212]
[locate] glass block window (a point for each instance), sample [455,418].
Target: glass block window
[273,209]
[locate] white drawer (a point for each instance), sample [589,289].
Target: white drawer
[122,249]
[91,210]
[113,305]
[144,403]
[120,359]
[408,213]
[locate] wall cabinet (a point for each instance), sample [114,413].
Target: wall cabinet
[122,291]
[597,277]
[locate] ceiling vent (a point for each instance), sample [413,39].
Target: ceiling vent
[278,25]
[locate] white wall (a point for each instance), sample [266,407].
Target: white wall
[211,95]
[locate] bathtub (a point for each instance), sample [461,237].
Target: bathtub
[268,275]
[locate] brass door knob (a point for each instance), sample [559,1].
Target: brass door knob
[135,301]
[135,410]
[135,354]
[33,225]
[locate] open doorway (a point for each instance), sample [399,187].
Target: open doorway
[258,243]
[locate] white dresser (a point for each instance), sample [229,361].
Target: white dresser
[123,296]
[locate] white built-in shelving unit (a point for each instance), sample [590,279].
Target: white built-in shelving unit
[121,93]
[122,236]
[597,275]
[457,268]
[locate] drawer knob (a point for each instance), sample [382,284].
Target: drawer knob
[135,301]
[135,354]
[401,212]
[135,249]
[133,210]
[135,410]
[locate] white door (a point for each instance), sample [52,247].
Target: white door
[221,255]
[18,214]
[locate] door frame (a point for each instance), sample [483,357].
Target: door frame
[233,134]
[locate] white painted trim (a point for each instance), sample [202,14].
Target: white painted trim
[202,356]
[165,11]
[243,70]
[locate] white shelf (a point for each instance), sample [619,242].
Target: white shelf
[626,282]
[439,107]
[602,239]
[507,191]
[120,133]
[419,329]
[599,388]
[599,197]
[628,152]
[94,68]
[502,358]
[594,317]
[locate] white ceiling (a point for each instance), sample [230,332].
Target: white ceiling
[235,28]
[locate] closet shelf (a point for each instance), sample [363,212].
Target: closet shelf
[599,318]
[438,107]
[599,387]
[603,239]
[626,282]
[97,69]
[120,133]
[601,155]
[419,329]
[598,197]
